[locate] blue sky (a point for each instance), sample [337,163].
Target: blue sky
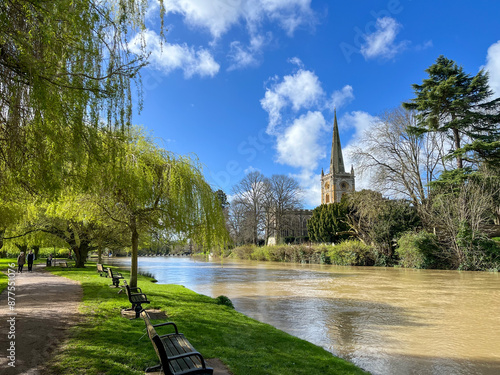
[251,84]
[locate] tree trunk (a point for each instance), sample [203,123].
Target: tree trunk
[23,248]
[81,254]
[99,254]
[2,232]
[135,247]
[456,135]
[36,250]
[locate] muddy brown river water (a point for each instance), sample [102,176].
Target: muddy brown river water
[387,321]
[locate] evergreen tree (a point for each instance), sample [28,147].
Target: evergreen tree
[328,223]
[460,105]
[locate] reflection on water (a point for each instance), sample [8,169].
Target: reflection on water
[387,321]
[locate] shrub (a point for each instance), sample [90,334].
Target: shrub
[260,253]
[477,251]
[242,252]
[223,300]
[351,253]
[418,250]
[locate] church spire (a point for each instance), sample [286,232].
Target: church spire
[336,161]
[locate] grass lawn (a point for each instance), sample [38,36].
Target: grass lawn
[4,265]
[106,343]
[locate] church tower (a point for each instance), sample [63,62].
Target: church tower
[337,182]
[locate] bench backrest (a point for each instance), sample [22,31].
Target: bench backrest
[127,289]
[157,344]
[110,272]
[100,268]
[149,327]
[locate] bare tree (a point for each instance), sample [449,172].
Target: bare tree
[238,223]
[285,197]
[400,162]
[250,193]
[462,218]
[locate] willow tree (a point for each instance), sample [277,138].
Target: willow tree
[65,72]
[153,188]
[13,203]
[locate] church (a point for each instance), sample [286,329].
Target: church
[336,182]
[334,185]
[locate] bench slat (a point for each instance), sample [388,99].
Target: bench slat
[177,344]
[181,345]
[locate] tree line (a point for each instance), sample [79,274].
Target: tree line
[438,158]
[434,166]
[262,207]
[74,172]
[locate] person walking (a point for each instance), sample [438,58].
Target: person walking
[31,258]
[21,259]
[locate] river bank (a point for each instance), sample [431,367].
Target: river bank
[352,253]
[105,342]
[386,320]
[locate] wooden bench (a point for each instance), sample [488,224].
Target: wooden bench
[136,297]
[102,271]
[115,277]
[177,355]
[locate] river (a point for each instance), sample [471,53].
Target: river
[388,321]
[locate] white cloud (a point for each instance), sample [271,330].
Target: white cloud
[289,13]
[296,61]
[359,121]
[311,185]
[380,43]
[218,16]
[299,146]
[244,56]
[493,67]
[241,56]
[251,169]
[300,91]
[341,97]
[424,46]
[295,105]
[167,57]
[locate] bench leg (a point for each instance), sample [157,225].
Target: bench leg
[138,309]
[153,368]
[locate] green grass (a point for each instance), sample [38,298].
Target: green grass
[106,343]
[4,265]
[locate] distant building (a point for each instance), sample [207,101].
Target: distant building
[336,182]
[334,185]
[294,229]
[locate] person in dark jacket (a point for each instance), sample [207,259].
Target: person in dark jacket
[31,258]
[21,259]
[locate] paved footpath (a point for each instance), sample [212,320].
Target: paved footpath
[46,306]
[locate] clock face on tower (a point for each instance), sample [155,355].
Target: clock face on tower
[344,185]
